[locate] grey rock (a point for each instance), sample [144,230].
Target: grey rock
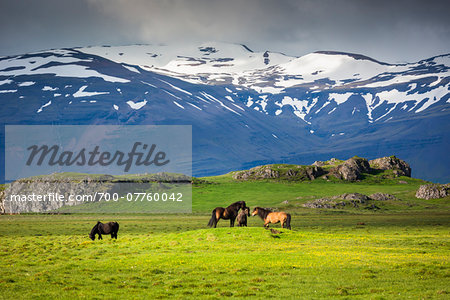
[351,169]
[271,172]
[354,196]
[382,197]
[318,163]
[340,201]
[2,202]
[320,203]
[400,167]
[433,191]
[259,172]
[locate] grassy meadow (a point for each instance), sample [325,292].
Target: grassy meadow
[400,251]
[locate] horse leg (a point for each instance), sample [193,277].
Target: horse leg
[266,224]
[232,222]
[100,236]
[284,223]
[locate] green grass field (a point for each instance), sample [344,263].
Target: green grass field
[401,251]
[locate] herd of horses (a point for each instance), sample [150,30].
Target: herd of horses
[232,213]
[236,211]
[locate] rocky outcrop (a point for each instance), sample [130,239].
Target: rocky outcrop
[349,200]
[323,203]
[354,196]
[341,201]
[399,167]
[332,161]
[433,191]
[289,172]
[50,193]
[2,202]
[259,172]
[382,197]
[351,169]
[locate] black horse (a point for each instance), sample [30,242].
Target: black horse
[229,213]
[107,228]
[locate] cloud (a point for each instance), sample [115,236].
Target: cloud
[386,30]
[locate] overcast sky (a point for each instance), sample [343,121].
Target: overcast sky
[391,31]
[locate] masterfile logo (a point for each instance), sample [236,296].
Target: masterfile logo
[93,157]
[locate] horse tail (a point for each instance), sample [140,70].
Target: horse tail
[213,219]
[288,221]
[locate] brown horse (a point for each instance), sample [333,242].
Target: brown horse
[229,213]
[242,217]
[269,216]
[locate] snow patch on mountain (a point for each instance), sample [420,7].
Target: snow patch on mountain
[195,106]
[26,83]
[178,104]
[301,107]
[6,81]
[43,106]
[176,88]
[212,98]
[132,69]
[39,63]
[82,93]
[339,98]
[136,105]
[49,88]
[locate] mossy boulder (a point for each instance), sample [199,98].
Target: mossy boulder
[280,171]
[352,169]
[433,191]
[399,167]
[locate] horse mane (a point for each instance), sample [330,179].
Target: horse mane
[263,212]
[238,204]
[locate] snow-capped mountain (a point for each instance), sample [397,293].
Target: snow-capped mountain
[246,107]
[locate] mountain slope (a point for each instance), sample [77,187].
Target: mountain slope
[246,107]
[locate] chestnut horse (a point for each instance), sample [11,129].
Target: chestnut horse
[229,213]
[269,216]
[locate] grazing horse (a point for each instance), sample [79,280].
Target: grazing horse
[269,216]
[107,228]
[229,213]
[242,217]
